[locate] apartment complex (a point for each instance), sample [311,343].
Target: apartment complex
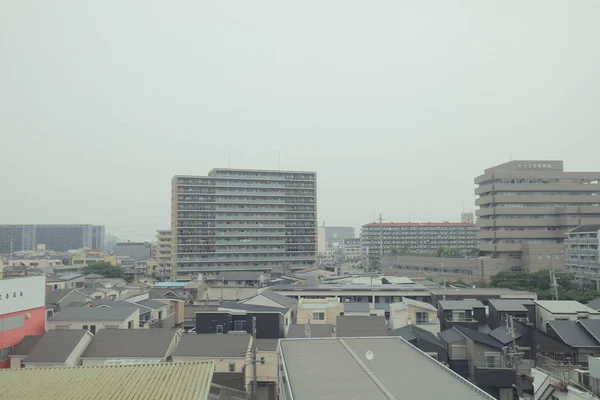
[527,207]
[162,253]
[582,253]
[53,237]
[243,220]
[417,238]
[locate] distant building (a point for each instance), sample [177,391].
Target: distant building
[417,238]
[467,217]
[52,237]
[583,254]
[162,254]
[527,207]
[243,220]
[335,235]
[134,250]
[351,250]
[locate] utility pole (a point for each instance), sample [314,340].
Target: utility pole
[553,285]
[443,277]
[515,355]
[254,378]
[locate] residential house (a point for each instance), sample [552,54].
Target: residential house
[95,318]
[58,299]
[57,348]
[230,353]
[271,322]
[488,367]
[413,312]
[456,344]
[481,294]
[160,315]
[469,313]
[522,310]
[133,346]
[424,340]
[311,330]
[594,304]
[318,311]
[148,382]
[561,310]
[582,335]
[66,281]
[268,298]
[360,368]
[21,350]
[266,368]
[360,326]
[358,309]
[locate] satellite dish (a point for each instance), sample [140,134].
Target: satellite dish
[370,356]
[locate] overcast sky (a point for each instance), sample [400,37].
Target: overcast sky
[396,104]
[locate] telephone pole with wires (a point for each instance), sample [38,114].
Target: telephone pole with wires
[514,355]
[254,349]
[553,285]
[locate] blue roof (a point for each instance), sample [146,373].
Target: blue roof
[170,284]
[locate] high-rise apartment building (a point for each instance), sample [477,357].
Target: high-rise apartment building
[53,237]
[243,220]
[417,238]
[162,253]
[527,207]
[583,254]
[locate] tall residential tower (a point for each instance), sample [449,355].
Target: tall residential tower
[243,220]
[527,207]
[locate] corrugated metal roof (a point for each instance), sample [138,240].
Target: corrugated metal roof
[510,305]
[565,306]
[94,314]
[124,382]
[410,332]
[460,304]
[417,303]
[343,372]
[130,343]
[213,345]
[586,228]
[170,284]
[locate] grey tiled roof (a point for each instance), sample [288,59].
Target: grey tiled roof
[502,334]
[317,331]
[142,343]
[94,314]
[410,332]
[592,326]
[594,304]
[284,301]
[359,326]
[479,337]
[25,346]
[451,336]
[57,295]
[266,344]
[154,304]
[55,346]
[460,304]
[357,307]
[252,307]
[509,305]
[573,334]
[213,345]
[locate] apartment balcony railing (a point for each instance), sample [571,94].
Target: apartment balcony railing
[244,259]
[460,319]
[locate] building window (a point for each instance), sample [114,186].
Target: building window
[85,327]
[262,360]
[231,366]
[130,325]
[319,316]
[219,328]
[422,318]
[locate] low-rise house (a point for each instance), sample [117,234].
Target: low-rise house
[134,346]
[159,311]
[266,368]
[359,309]
[456,344]
[310,330]
[65,281]
[481,294]
[359,326]
[238,278]
[271,322]
[582,335]
[318,311]
[468,313]
[360,368]
[561,310]
[21,350]
[95,318]
[522,310]
[413,312]
[424,340]
[58,299]
[230,353]
[148,382]
[268,298]
[57,348]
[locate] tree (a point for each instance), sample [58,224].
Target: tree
[103,268]
[447,252]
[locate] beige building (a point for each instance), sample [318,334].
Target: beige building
[95,318]
[318,311]
[527,207]
[160,265]
[413,312]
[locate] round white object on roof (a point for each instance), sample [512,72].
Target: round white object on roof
[369,356]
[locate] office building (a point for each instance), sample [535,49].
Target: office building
[51,237]
[134,250]
[582,254]
[527,207]
[417,238]
[243,220]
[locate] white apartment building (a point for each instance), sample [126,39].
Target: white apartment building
[582,253]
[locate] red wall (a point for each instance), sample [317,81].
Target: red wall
[33,326]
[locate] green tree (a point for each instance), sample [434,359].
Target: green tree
[105,269]
[447,252]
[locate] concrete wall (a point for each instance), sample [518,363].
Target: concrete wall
[330,307]
[266,372]
[16,325]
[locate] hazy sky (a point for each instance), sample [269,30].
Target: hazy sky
[396,104]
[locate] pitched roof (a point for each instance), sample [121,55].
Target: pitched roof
[123,343]
[94,314]
[342,365]
[417,303]
[592,326]
[451,336]
[573,334]
[239,276]
[357,307]
[25,346]
[251,307]
[55,346]
[122,303]
[154,304]
[460,304]
[510,305]
[284,301]
[503,335]
[594,304]
[479,337]
[316,331]
[564,306]
[213,345]
[266,344]
[57,295]
[410,332]
[218,392]
[182,381]
[359,326]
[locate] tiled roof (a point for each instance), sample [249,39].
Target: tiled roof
[55,346]
[280,299]
[564,306]
[94,314]
[266,344]
[123,382]
[25,346]
[503,335]
[479,337]
[213,345]
[359,326]
[410,332]
[460,304]
[594,304]
[251,307]
[154,304]
[239,276]
[451,336]
[417,303]
[586,228]
[573,334]
[509,305]
[133,343]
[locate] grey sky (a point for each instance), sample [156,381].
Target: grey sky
[397,105]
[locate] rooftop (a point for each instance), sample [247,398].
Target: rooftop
[316,331]
[239,276]
[417,303]
[573,334]
[134,343]
[94,314]
[586,229]
[349,288]
[25,346]
[503,335]
[169,284]
[565,307]
[515,294]
[478,336]
[266,344]
[451,336]
[154,304]
[284,301]
[251,307]
[55,346]
[460,304]
[594,304]
[55,296]
[420,224]
[411,332]
[124,382]
[417,376]
[360,326]
[213,345]
[510,305]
